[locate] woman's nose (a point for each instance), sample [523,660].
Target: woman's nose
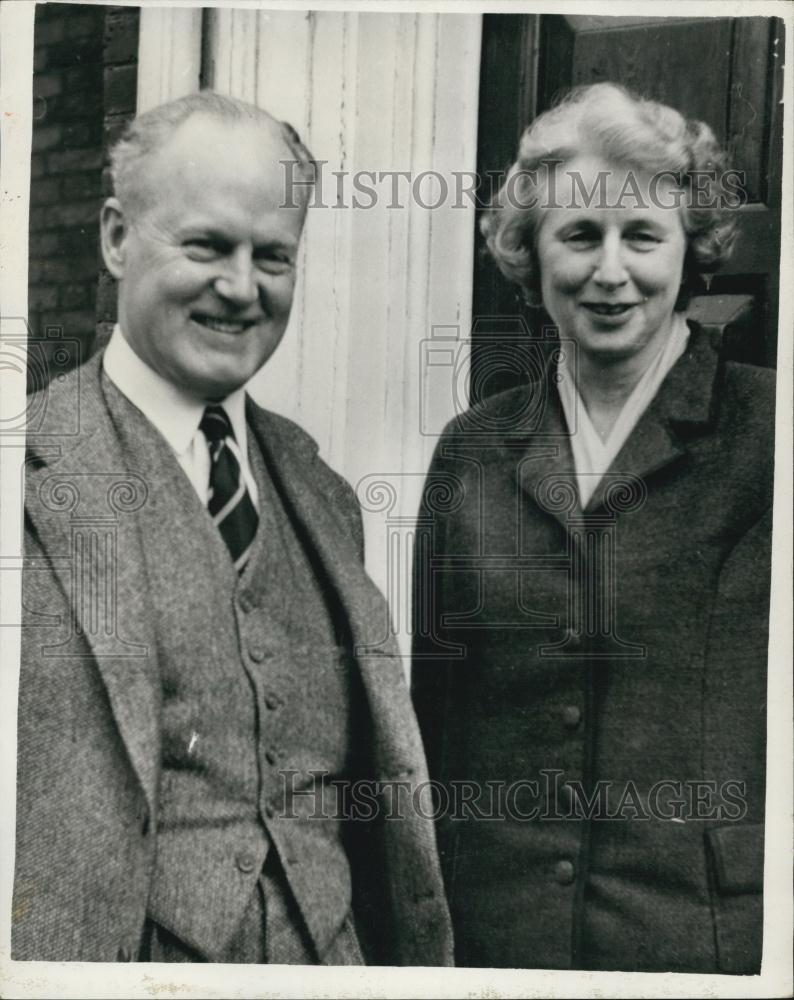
[610,270]
[237,282]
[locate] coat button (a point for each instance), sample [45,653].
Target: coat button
[124,954]
[257,654]
[246,603]
[271,755]
[245,862]
[571,716]
[272,700]
[564,872]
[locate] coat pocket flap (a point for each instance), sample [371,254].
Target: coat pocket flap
[738,853]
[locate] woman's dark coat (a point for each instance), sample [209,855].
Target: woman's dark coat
[591,686]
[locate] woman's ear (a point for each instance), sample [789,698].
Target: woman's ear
[114,228]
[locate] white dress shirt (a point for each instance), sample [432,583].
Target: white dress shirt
[177,415]
[593,456]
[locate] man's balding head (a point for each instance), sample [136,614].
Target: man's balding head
[149,132]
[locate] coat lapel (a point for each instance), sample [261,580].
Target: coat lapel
[543,466]
[291,459]
[545,469]
[681,408]
[394,743]
[84,506]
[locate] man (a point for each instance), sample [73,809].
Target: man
[195,699]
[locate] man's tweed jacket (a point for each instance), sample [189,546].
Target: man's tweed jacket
[88,730]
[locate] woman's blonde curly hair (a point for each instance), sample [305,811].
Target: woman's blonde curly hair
[608,121]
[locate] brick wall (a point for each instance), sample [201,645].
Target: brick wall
[120,81]
[84,83]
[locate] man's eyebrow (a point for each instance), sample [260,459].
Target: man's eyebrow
[205,232]
[276,243]
[211,232]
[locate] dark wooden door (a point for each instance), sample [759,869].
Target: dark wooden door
[725,71]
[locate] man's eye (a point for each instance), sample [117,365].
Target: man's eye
[274,262]
[202,249]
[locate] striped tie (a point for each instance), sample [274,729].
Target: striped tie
[229,503]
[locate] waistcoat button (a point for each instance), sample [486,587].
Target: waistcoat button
[257,654]
[271,755]
[564,872]
[272,700]
[246,604]
[245,862]
[571,716]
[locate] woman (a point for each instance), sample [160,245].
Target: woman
[591,686]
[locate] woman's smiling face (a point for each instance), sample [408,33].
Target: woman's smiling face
[611,265]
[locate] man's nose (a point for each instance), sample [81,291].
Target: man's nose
[610,269]
[237,282]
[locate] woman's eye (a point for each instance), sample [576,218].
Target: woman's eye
[643,238]
[581,236]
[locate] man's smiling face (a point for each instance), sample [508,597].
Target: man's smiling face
[206,265]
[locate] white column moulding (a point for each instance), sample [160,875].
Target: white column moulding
[370,93]
[169,54]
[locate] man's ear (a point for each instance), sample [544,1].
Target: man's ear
[114,229]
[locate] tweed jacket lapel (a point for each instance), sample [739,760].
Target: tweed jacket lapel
[412,880]
[83,506]
[291,458]
[683,404]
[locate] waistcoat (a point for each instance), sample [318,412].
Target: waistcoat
[257,693]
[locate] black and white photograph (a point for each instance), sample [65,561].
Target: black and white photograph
[395,451]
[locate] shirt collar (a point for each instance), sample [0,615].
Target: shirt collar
[592,456]
[638,399]
[174,413]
